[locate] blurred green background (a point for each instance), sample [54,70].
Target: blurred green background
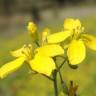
[14,16]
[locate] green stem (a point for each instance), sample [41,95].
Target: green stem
[48,77]
[37,43]
[61,77]
[55,83]
[35,72]
[62,63]
[58,70]
[65,88]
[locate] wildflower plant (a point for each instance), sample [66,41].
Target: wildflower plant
[68,44]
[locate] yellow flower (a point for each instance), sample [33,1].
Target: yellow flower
[22,54]
[42,62]
[32,28]
[76,48]
[39,59]
[71,27]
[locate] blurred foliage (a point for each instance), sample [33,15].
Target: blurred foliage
[25,6]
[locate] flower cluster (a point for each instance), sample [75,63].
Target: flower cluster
[40,58]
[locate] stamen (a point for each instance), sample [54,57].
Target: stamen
[24,53]
[30,46]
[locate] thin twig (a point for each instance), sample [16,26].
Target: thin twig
[48,77]
[62,63]
[43,75]
[37,43]
[58,69]
[60,75]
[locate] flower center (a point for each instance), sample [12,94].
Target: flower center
[77,31]
[27,51]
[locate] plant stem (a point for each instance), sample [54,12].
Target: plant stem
[65,88]
[37,43]
[62,64]
[58,70]
[48,77]
[35,72]
[55,83]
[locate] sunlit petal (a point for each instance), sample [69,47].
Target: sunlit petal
[76,52]
[58,37]
[69,24]
[77,23]
[11,67]
[50,50]
[90,41]
[43,64]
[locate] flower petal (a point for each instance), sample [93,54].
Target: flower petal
[11,66]
[50,50]
[25,51]
[77,23]
[45,33]
[90,41]
[69,24]
[18,52]
[58,37]
[43,64]
[76,52]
